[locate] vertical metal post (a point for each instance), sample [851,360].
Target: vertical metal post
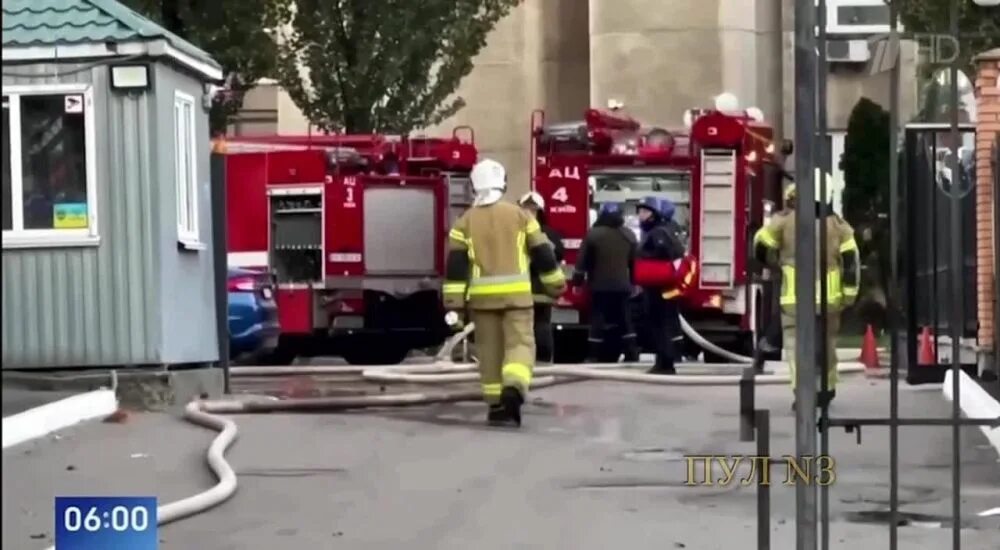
[221,264]
[824,161]
[805,263]
[894,278]
[762,418]
[956,291]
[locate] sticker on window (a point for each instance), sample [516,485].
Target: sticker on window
[70,215]
[74,103]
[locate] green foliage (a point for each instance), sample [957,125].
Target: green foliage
[235,32]
[979,26]
[866,163]
[866,192]
[388,66]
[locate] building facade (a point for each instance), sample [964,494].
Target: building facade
[107,225]
[987,165]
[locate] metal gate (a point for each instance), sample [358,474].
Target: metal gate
[933,207]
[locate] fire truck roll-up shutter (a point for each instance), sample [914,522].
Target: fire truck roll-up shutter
[396,228]
[718,204]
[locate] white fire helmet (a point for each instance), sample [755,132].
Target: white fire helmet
[533,198]
[489,181]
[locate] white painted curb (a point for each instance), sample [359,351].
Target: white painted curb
[975,403]
[57,415]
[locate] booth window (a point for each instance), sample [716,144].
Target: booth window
[49,197]
[185,169]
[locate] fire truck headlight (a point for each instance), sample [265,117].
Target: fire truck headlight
[770,148]
[752,156]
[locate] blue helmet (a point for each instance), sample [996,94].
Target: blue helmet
[650,203]
[667,209]
[609,208]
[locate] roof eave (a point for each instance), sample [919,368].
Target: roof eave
[211,71]
[989,55]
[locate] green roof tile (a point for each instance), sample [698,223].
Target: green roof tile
[62,22]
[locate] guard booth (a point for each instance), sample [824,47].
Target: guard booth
[925,278]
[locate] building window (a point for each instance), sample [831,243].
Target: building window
[857,17]
[49,196]
[185,168]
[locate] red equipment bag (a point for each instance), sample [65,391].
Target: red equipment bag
[654,273]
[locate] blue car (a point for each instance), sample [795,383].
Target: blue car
[253,314]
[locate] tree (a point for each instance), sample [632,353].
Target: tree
[362,66]
[979,26]
[865,164]
[237,33]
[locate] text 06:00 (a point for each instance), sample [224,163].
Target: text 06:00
[120,518]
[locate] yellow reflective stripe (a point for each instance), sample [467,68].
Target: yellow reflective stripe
[522,251]
[518,373]
[848,245]
[457,235]
[671,294]
[476,270]
[520,287]
[851,291]
[454,288]
[765,237]
[492,390]
[552,277]
[532,227]
[835,292]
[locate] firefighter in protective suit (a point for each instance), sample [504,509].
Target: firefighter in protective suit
[775,243]
[491,249]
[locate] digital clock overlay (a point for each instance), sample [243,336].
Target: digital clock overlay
[106,523]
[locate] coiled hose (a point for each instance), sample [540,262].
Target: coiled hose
[205,412]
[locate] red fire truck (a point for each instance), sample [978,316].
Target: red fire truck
[353,228]
[718,172]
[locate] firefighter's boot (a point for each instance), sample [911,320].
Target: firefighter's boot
[497,415]
[511,400]
[760,354]
[631,349]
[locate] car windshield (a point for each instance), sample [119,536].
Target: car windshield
[628,188]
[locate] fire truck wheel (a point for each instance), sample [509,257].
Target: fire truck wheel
[385,354]
[279,357]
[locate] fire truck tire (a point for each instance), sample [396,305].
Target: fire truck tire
[281,356]
[383,354]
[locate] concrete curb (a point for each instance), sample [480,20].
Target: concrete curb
[51,417]
[975,403]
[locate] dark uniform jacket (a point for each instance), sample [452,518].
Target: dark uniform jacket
[537,287]
[607,255]
[661,243]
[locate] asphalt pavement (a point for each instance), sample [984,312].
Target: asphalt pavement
[596,466]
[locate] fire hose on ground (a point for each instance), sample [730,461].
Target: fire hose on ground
[206,413]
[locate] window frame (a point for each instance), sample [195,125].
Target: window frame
[833,25]
[18,236]
[190,237]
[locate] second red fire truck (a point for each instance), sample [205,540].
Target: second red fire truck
[718,172]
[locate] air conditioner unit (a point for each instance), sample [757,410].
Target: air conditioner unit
[847,51]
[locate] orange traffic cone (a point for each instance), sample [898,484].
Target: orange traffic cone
[869,354]
[925,355]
